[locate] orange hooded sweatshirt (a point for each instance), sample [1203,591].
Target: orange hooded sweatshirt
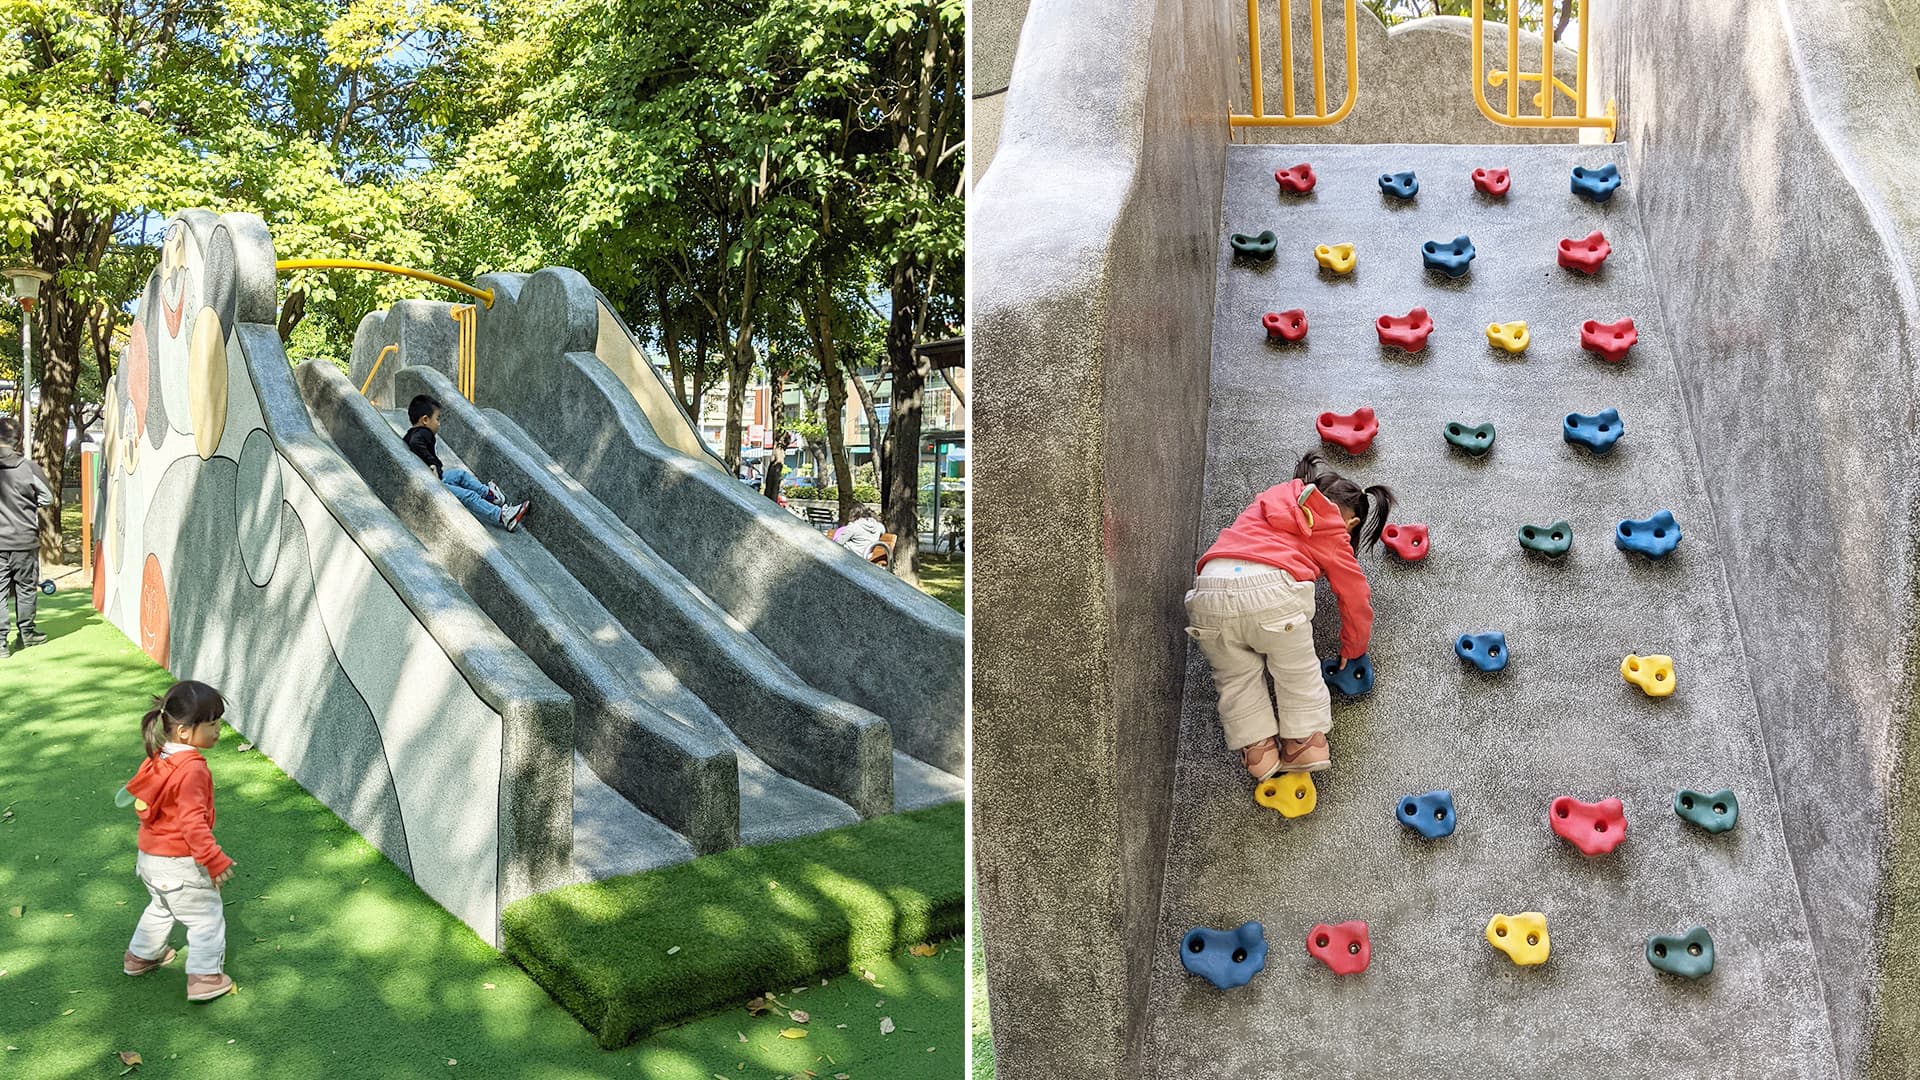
[177,791]
[1274,532]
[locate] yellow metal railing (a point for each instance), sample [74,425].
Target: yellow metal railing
[1512,77]
[485,296]
[1290,115]
[465,315]
[375,370]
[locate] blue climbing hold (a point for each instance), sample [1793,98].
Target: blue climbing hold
[1597,431]
[1596,185]
[1225,958]
[1656,537]
[1400,185]
[1487,651]
[1450,257]
[1356,680]
[1431,815]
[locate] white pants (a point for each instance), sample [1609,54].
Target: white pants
[181,892]
[1252,625]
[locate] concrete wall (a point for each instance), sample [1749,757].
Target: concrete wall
[1093,245]
[420,332]
[1778,190]
[237,548]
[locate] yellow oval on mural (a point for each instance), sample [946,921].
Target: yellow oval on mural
[207,382]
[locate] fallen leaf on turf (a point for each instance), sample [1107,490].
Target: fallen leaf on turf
[840,1025]
[742,1034]
[245,746]
[68,915]
[841,1076]
[673,950]
[867,975]
[68,1012]
[119,903]
[450,1061]
[717,1076]
[230,1042]
[886,1025]
[487,986]
[793,1033]
[16,911]
[130,1057]
[799,1016]
[925,950]
[13,1048]
[757,1006]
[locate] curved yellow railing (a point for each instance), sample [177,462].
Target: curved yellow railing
[1289,115]
[375,370]
[485,296]
[1511,77]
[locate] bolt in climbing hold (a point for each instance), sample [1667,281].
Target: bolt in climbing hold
[1511,336]
[1259,247]
[1338,258]
[1596,185]
[1522,937]
[1407,541]
[1296,181]
[1553,540]
[1716,812]
[1291,793]
[1655,537]
[1289,325]
[1487,651]
[1596,828]
[1652,674]
[1490,182]
[1595,431]
[1585,254]
[1400,185]
[1431,815]
[1407,331]
[1688,955]
[1341,946]
[1354,681]
[1225,958]
[1352,432]
[1610,340]
[1450,257]
[1475,439]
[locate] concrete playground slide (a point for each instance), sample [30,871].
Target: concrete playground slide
[1767,257]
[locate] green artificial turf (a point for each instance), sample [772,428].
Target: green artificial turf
[630,954]
[944,577]
[345,968]
[982,1030]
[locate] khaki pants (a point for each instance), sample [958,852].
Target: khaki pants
[179,890]
[1250,626]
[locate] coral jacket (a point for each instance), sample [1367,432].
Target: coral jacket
[177,791]
[1274,532]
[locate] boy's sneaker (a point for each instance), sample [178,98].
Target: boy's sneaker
[208,987]
[510,517]
[1262,759]
[133,965]
[1305,755]
[30,640]
[495,495]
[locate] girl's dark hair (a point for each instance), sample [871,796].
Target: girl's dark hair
[1371,505]
[186,702]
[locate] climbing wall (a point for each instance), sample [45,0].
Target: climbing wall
[1437,1000]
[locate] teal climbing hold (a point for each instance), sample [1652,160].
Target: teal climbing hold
[1553,540]
[1475,439]
[1259,247]
[1715,812]
[1688,955]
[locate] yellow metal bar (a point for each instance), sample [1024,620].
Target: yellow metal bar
[377,361]
[485,296]
[1286,58]
[1513,51]
[1319,63]
[1546,61]
[1580,67]
[1290,118]
[1512,78]
[1253,54]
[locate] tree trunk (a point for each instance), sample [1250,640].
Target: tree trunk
[57,360]
[902,491]
[777,427]
[876,438]
[739,370]
[834,418]
[670,341]
[697,401]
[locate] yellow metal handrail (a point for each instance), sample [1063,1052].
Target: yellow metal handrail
[485,296]
[1511,76]
[1289,115]
[377,361]
[464,315]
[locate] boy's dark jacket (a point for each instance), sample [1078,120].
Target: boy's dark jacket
[422,443]
[22,492]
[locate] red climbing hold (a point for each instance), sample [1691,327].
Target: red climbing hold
[1352,432]
[1298,180]
[1610,339]
[1586,254]
[1290,325]
[1407,541]
[1491,182]
[1343,946]
[1595,828]
[1407,331]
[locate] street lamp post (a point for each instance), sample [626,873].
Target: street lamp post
[26,289]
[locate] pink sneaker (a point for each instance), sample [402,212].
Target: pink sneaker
[133,965]
[208,987]
[1305,755]
[1262,759]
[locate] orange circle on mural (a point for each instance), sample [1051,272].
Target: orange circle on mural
[154,624]
[136,366]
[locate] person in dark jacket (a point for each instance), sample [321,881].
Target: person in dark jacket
[485,501]
[23,491]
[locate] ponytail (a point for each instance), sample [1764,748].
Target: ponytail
[1369,505]
[153,728]
[1374,521]
[185,704]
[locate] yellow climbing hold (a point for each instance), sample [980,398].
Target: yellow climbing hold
[1522,937]
[1511,336]
[1290,793]
[1338,258]
[1653,674]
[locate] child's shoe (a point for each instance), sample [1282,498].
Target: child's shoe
[1262,759]
[495,495]
[1305,755]
[208,987]
[133,965]
[510,517]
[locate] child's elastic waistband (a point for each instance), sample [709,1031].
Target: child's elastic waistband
[1244,582]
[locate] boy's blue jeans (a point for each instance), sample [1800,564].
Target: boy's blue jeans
[472,494]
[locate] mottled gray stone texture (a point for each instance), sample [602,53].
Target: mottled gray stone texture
[1093,254]
[847,627]
[422,333]
[746,691]
[663,764]
[1781,193]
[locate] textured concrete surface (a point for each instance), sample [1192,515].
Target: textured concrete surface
[1093,252]
[422,333]
[993,39]
[1815,111]
[1559,720]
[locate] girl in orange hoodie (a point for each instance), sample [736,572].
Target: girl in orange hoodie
[1251,611]
[181,865]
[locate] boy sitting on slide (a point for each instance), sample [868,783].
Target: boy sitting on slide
[485,501]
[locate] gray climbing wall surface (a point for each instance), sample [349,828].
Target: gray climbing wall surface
[1438,1000]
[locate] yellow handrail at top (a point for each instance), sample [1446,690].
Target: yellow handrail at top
[485,296]
[1511,77]
[1289,115]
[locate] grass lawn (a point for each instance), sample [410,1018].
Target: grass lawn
[345,968]
[944,577]
[982,1031]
